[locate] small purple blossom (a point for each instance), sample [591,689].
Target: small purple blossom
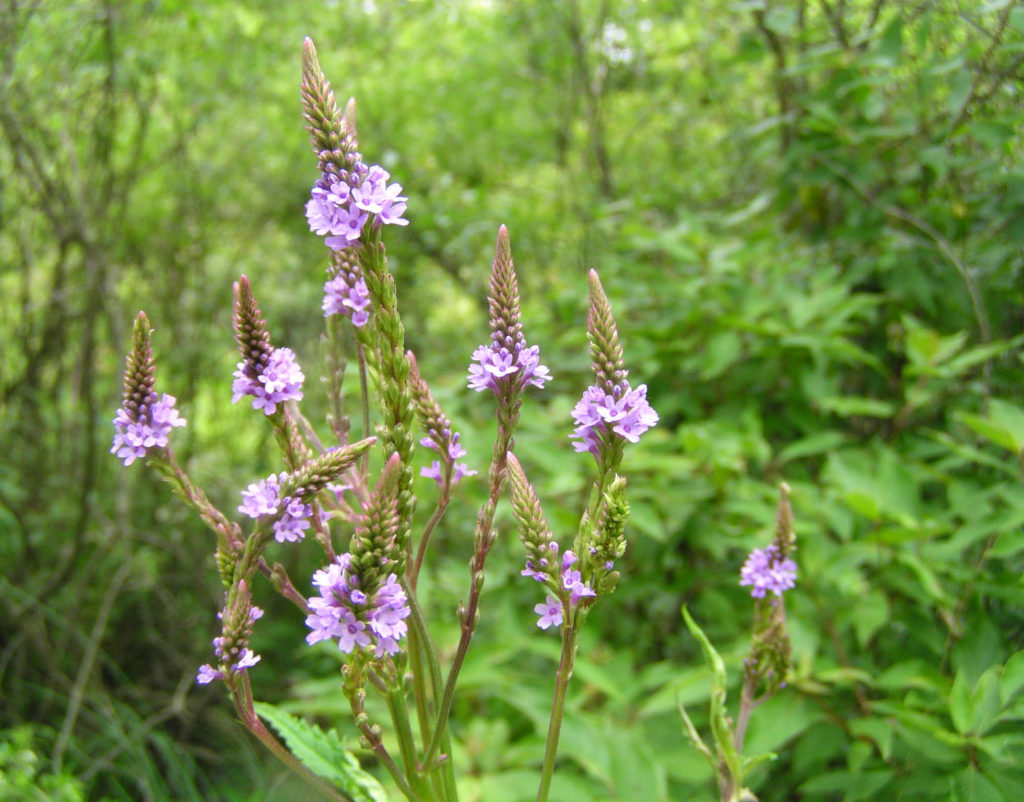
[207,673]
[345,612]
[572,581]
[279,381]
[766,570]
[264,498]
[549,612]
[340,207]
[626,413]
[494,363]
[565,577]
[134,438]
[435,441]
[347,295]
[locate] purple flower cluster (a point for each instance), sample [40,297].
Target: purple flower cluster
[625,413]
[569,580]
[346,294]
[246,658]
[355,618]
[133,438]
[435,442]
[765,569]
[279,381]
[340,206]
[264,498]
[494,363]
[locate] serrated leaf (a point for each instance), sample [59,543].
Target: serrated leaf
[323,753]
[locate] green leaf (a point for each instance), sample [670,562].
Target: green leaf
[1012,680]
[872,613]
[719,714]
[959,91]
[890,45]
[817,443]
[985,702]
[989,430]
[780,20]
[972,785]
[846,406]
[1010,418]
[323,753]
[960,703]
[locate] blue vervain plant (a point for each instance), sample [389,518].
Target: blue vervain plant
[366,592]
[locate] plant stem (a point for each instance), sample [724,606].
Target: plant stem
[569,633]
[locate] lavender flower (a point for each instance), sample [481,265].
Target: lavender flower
[767,570]
[264,498]
[567,580]
[355,618]
[549,612]
[278,381]
[436,441]
[207,673]
[440,438]
[495,362]
[598,415]
[347,295]
[341,204]
[133,439]
[572,580]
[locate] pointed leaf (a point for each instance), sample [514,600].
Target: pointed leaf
[960,703]
[323,753]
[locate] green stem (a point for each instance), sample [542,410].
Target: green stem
[565,665]
[406,743]
[428,530]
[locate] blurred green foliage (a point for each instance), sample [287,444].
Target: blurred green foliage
[809,218]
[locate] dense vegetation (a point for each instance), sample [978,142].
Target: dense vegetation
[809,218]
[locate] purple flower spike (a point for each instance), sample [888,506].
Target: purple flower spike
[765,570]
[347,295]
[340,206]
[494,364]
[264,498]
[626,414]
[354,618]
[279,381]
[133,439]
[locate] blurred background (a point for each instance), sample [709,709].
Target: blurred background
[809,219]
